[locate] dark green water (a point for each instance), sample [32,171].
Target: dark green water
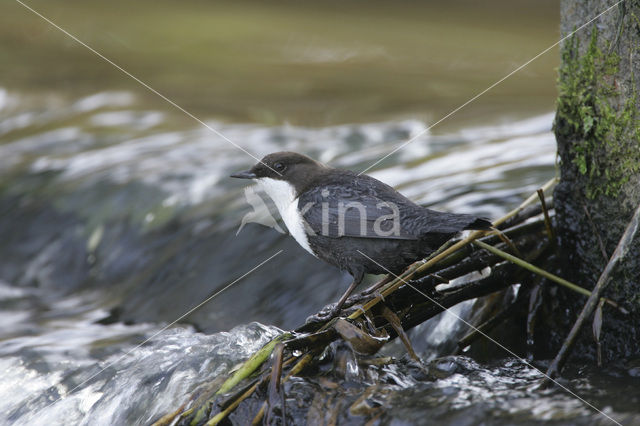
[303,63]
[117,214]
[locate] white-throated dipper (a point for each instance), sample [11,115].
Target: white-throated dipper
[340,216]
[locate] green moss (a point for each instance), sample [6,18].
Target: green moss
[599,130]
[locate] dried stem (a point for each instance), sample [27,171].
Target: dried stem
[539,271]
[547,220]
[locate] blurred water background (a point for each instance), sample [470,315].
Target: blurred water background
[117,214]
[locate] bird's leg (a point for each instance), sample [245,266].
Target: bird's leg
[321,317]
[374,290]
[357,279]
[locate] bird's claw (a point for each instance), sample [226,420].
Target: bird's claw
[324,315]
[365,296]
[356,308]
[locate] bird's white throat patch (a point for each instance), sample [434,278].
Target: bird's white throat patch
[285,198]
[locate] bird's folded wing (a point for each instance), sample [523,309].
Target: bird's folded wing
[338,211]
[376,212]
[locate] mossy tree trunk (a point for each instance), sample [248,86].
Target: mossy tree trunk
[597,129]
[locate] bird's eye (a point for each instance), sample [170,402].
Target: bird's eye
[279,167]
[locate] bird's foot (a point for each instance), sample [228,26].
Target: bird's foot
[356,308]
[326,314]
[369,293]
[378,294]
[365,296]
[330,312]
[357,298]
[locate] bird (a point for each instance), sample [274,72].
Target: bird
[353,221]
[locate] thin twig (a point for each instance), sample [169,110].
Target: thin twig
[508,242]
[276,396]
[224,413]
[547,220]
[587,310]
[393,319]
[541,271]
[252,364]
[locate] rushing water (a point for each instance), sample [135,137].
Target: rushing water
[114,226]
[117,215]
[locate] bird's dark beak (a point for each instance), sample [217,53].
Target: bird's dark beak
[247,174]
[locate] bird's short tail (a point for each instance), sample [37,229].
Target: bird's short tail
[480,224]
[444,222]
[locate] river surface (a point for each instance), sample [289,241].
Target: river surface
[117,216]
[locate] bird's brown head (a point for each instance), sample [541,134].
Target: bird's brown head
[287,166]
